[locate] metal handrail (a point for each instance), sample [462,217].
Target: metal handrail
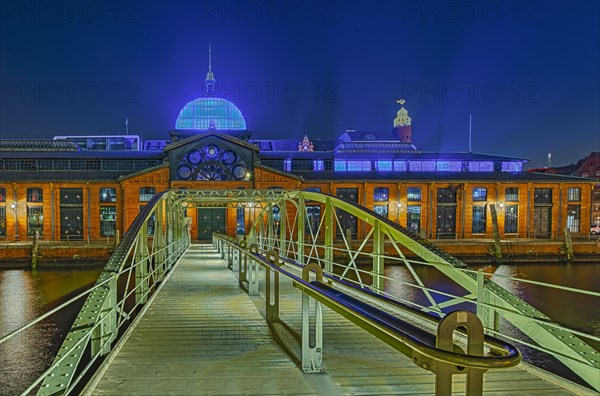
[511,357]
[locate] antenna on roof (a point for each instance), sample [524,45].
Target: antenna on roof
[549,163]
[126,126]
[470,118]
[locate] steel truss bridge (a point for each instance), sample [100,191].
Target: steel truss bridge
[446,333]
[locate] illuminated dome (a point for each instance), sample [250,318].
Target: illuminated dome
[210,113]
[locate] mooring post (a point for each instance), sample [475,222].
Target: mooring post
[34,250]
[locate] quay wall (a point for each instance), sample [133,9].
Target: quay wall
[470,251]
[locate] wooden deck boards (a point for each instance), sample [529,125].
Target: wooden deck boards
[203,335]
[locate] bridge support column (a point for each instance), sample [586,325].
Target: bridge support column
[378,261]
[253,272]
[272,287]
[312,349]
[106,330]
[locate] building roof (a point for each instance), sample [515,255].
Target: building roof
[84,154]
[199,136]
[36,145]
[327,176]
[391,155]
[291,145]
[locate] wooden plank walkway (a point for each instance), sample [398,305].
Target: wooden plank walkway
[203,335]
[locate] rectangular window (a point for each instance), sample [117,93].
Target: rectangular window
[77,164]
[108,194]
[421,166]
[511,219]
[108,220]
[2,221]
[479,219]
[448,166]
[573,217]
[313,219]
[400,166]
[479,194]
[383,166]
[413,194]
[511,194]
[35,195]
[574,194]
[93,165]
[359,166]
[542,195]
[287,165]
[381,194]
[29,165]
[151,221]
[2,194]
[146,193]
[35,220]
[413,222]
[340,166]
[381,210]
[318,165]
[240,221]
[481,166]
[512,166]
[313,189]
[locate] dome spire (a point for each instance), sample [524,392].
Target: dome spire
[209,83]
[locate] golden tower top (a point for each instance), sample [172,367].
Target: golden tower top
[402,118]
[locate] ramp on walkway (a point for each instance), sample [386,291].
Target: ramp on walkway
[203,335]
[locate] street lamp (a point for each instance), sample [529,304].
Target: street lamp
[14,208]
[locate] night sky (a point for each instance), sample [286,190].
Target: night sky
[529,72]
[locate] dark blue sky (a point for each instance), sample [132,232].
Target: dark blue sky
[529,72]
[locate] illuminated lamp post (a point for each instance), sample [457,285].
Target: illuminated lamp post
[14,208]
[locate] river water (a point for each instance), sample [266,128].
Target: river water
[25,295]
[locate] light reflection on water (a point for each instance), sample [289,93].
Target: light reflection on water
[25,295]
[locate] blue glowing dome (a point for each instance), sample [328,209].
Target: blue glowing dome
[210,113]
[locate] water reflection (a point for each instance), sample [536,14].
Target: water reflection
[25,295]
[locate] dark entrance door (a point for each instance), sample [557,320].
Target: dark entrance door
[542,221]
[209,221]
[71,223]
[446,221]
[71,213]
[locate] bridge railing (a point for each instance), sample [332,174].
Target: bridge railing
[132,274]
[373,243]
[434,351]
